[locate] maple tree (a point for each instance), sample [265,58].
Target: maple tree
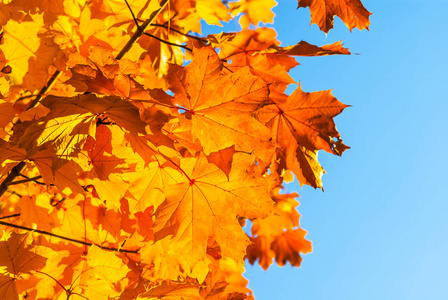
[128,172]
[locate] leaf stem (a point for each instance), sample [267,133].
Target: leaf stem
[181,33]
[66,291]
[167,42]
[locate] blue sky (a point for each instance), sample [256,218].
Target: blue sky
[380,229]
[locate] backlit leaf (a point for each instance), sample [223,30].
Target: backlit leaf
[219,106]
[205,204]
[351,12]
[301,125]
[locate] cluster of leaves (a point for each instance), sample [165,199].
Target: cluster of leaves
[127,173]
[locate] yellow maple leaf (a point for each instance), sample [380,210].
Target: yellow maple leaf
[206,204]
[254,11]
[20,45]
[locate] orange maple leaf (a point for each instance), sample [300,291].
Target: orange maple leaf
[219,106]
[351,12]
[16,256]
[18,260]
[302,125]
[20,45]
[205,204]
[278,236]
[254,11]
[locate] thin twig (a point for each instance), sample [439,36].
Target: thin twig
[14,193]
[166,42]
[227,68]
[27,180]
[132,13]
[140,30]
[153,36]
[54,280]
[25,97]
[10,216]
[66,238]
[180,32]
[44,89]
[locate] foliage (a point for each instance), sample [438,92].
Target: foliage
[128,173]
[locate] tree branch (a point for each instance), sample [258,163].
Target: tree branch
[11,176]
[10,216]
[140,30]
[65,238]
[34,179]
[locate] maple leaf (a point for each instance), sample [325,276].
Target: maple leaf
[237,288]
[255,11]
[106,265]
[219,106]
[8,288]
[301,125]
[214,284]
[16,256]
[20,44]
[16,259]
[62,262]
[351,12]
[99,275]
[10,11]
[52,8]
[65,128]
[33,213]
[205,204]
[61,173]
[288,245]
[277,236]
[105,166]
[162,261]
[71,120]
[223,159]
[148,185]
[104,75]
[212,11]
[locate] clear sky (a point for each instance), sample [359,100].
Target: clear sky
[380,229]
